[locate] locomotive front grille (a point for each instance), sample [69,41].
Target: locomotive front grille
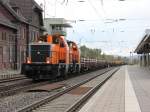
[39,53]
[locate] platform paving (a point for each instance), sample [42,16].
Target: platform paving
[140,78]
[127,91]
[110,98]
[8,73]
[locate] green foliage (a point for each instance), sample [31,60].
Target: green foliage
[90,53]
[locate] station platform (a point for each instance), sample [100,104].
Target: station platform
[8,73]
[128,90]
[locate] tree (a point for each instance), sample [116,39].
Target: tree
[90,53]
[97,54]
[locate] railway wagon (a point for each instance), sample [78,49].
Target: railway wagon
[92,64]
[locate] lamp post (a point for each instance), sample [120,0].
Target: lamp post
[55,7]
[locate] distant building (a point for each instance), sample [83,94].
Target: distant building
[21,22]
[56,25]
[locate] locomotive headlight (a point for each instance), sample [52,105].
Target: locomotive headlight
[28,60]
[47,60]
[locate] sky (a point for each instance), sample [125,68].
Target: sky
[114,26]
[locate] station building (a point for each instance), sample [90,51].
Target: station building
[21,22]
[143,49]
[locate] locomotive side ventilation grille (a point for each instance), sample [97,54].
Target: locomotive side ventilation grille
[39,53]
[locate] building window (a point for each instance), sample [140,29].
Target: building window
[1,54]
[5,52]
[1,50]
[17,10]
[53,27]
[23,33]
[4,35]
[36,35]
[12,53]
[0,35]
[12,38]
[58,28]
[31,36]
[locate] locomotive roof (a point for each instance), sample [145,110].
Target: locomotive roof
[40,43]
[68,41]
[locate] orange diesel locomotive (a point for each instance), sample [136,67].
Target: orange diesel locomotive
[52,56]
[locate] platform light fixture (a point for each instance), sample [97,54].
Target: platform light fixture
[81,1]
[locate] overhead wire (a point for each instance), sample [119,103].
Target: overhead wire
[65,2]
[95,9]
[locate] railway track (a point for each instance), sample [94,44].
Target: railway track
[16,88]
[20,77]
[83,99]
[9,84]
[14,85]
[67,95]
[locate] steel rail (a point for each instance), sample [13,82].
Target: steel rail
[20,89]
[13,79]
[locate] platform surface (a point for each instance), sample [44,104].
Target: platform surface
[128,90]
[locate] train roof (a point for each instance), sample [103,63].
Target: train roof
[40,43]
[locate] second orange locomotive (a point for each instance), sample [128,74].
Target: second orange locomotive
[52,56]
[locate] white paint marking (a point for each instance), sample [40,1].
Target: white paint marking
[131,102]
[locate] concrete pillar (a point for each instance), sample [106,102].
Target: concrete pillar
[145,61]
[148,59]
[140,60]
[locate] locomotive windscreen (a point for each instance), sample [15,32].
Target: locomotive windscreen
[39,53]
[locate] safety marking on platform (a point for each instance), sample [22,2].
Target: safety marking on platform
[131,102]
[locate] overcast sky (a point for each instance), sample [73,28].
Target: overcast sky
[112,25]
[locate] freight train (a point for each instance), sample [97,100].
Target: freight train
[53,56]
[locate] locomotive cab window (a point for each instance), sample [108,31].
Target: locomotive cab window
[74,47]
[39,53]
[70,45]
[55,40]
[62,44]
[43,38]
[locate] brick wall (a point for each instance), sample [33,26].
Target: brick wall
[22,36]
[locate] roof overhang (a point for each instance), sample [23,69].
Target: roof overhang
[57,22]
[8,24]
[38,7]
[65,25]
[144,45]
[43,28]
[6,4]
